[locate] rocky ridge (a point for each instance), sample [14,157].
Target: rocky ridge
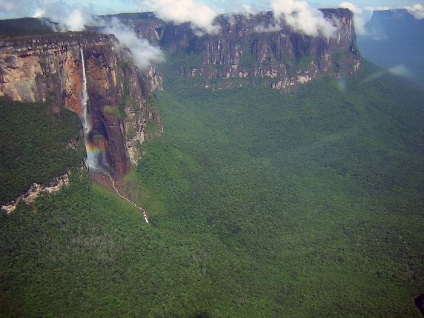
[35,191]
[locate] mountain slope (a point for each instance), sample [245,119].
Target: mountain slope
[37,145]
[262,204]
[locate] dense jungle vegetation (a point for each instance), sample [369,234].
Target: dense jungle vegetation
[263,204]
[36,145]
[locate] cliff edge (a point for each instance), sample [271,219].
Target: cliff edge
[258,49]
[50,67]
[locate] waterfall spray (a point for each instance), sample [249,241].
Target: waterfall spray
[86,125]
[94,152]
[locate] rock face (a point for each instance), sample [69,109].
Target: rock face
[248,50]
[50,68]
[258,50]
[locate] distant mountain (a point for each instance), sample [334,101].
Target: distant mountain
[250,50]
[262,203]
[25,27]
[394,38]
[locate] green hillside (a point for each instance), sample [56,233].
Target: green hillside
[25,26]
[35,146]
[263,204]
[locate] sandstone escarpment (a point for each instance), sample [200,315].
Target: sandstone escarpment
[258,49]
[252,50]
[49,68]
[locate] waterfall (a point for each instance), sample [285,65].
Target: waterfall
[91,160]
[84,99]
[96,157]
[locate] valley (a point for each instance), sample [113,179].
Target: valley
[303,204]
[197,194]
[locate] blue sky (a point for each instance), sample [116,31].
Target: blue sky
[122,5]
[19,8]
[128,5]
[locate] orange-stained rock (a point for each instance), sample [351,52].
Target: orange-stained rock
[50,68]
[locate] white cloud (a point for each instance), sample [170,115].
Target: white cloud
[303,17]
[417,10]
[247,8]
[142,53]
[69,18]
[39,13]
[180,11]
[270,28]
[76,17]
[358,16]
[377,8]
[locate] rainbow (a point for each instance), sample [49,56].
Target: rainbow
[96,153]
[95,145]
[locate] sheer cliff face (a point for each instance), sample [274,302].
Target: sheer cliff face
[257,49]
[50,68]
[248,50]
